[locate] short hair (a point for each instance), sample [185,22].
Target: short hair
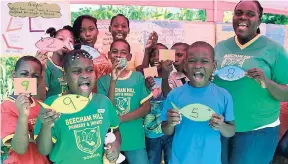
[74,54]
[202,44]
[23,59]
[260,10]
[53,32]
[185,45]
[121,40]
[119,15]
[78,24]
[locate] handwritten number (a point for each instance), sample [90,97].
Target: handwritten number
[25,84]
[194,113]
[231,72]
[68,103]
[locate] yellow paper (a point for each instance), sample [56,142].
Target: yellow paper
[68,104]
[166,55]
[151,71]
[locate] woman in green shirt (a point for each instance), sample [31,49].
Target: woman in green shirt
[256,108]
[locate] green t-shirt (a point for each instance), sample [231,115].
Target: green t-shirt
[254,106]
[54,79]
[130,93]
[79,137]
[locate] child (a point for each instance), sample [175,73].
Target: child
[177,79]
[156,141]
[119,29]
[54,71]
[18,116]
[85,30]
[74,138]
[201,144]
[131,100]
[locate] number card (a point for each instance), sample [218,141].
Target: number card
[151,71]
[92,51]
[68,104]
[49,44]
[166,55]
[25,85]
[233,73]
[196,112]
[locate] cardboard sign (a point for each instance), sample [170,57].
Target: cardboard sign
[151,71]
[25,85]
[50,44]
[166,55]
[196,112]
[68,104]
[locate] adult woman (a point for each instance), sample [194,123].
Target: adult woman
[256,109]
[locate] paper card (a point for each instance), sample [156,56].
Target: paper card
[196,112]
[25,85]
[230,73]
[151,71]
[49,44]
[166,55]
[92,51]
[68,104]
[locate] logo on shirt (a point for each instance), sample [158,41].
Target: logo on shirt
[123,105]
[233,59]
[88,140]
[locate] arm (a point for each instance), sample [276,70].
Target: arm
[118,138]
[20,139]
[165,86]
[279,92]
[44,140]
[167,128]
[138,113]
[111,92]
[228,129]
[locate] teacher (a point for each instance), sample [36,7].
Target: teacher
[256,108]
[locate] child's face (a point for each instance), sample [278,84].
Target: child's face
[29,69]
[68,39]
[80,76]
[88,32]
[120,50]
[199,66]
[119,28]
[180,57]
[154,58]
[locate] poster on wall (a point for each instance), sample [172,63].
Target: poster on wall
[24,23]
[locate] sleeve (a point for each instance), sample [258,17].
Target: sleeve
[101,87]
[146,94]
[114,119]
[38,124]
[48,79]
[279,72]
[167,106]
[228,105]
[9,121]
